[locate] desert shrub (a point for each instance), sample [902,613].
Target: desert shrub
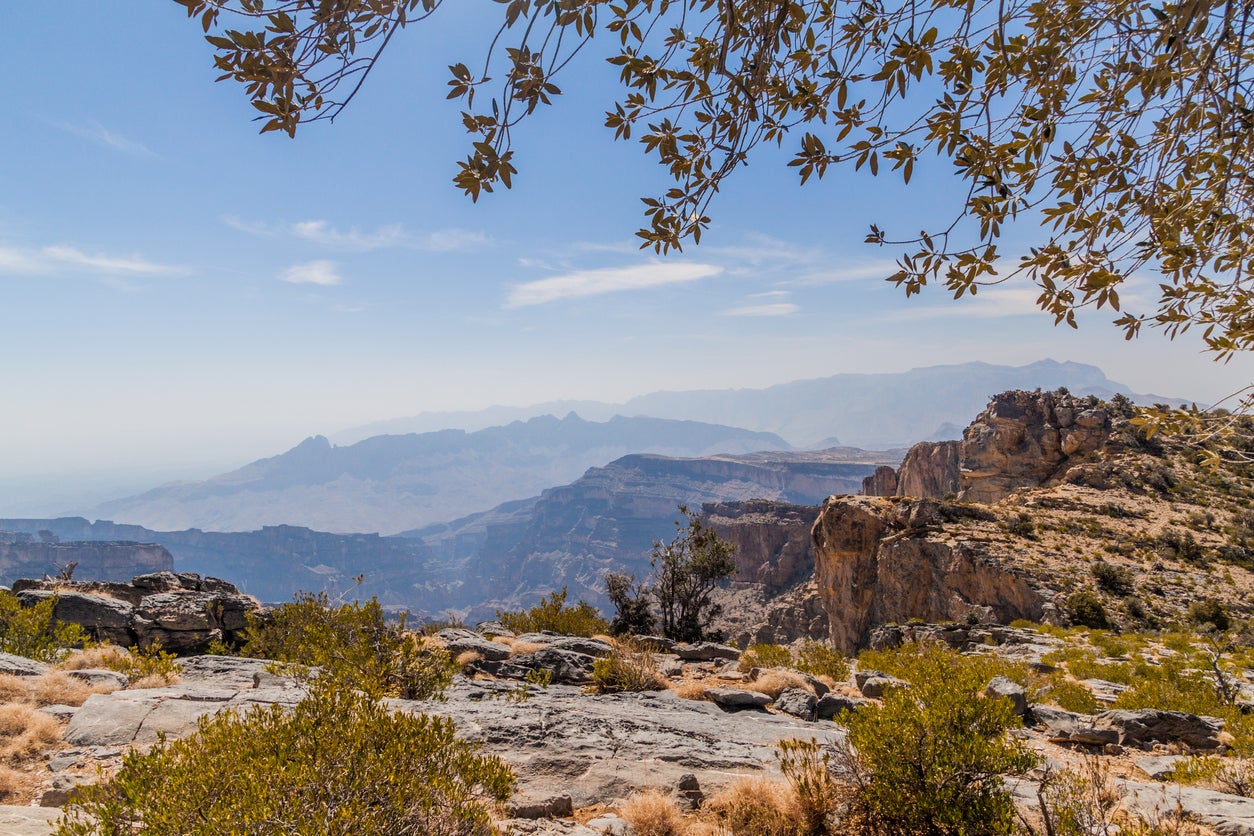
[552,613]
[632,614]
[653,813]
[754,805]
[339,763]
[351,644]
[930,757]
[686,571]
[33,632]
[1022,526]
[1210,612]
[149,662]
[818,796]
[1080,802]
[25,732]
[94,657]
[1116,580]
[690,689]
[819,659]
[1180,546]
[627,668]
[1070,695]
[1085,608]
[1110,644]
[765,656]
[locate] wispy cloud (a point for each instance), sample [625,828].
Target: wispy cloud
[320,272]
[994,303]
[855,271]
[97,133]
[607,280]
[325,234]
[61,257]
[772,309]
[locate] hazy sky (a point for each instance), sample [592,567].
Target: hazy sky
[182,295]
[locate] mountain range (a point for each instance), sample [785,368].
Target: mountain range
[389,483]
[871,411]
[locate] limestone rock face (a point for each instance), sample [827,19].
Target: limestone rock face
[1024,439]
[882,560]
[931,468]
[21,557]
[184,612]
[1021,439]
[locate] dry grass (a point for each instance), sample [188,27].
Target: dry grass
[775,682]
[468,657]
[13,688]
[690,689]
[154,680]
[57,688]
[754,805]
[517,648]
[104,657]
[654,813]
[25,732]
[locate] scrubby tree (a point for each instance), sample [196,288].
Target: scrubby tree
[1123,125]
[632,613]
[686,571]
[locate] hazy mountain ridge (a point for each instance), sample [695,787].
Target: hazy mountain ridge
[389,483]
[871,411]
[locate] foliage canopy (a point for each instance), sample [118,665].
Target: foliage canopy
[1123,125]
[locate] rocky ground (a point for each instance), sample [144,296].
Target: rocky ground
[579,755]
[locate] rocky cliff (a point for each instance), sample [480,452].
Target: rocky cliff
[883,560]
[100,561]
[1020,440]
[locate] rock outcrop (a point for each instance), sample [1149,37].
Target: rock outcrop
[184,612]
[22,557]
[1021,439]
[883,560]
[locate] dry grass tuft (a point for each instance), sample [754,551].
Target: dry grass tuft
[12,784]
[755,805]
[468,657]
[104,657]
[690,689]
[775,682]
[13,688]
[517,648]
[58,688]
[153,680]
[653,813]
[25,732]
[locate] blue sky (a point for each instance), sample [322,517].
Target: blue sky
[182,295]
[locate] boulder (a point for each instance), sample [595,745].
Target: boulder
[21,666]
[534,806]
[737,699]
[798,702]
[475,643]
[830,706]
[96,676]
[106,619]
[1146,726]
[873,683]
[1001,686]
[578,644]
[705,652]
[566,667]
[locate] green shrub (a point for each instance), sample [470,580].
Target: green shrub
[808,770]
[632,612]
[1087,609]
[1210,612]
[1113,579]
[765,656]
[351,644]
[338,764]
[551,613]
[33,632]
[141,663]
[1070,695]
[628,668]
[929,759]
[818,659]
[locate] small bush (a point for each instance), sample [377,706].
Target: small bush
[551,613]
[818,797]
[338,764]
[627,668]
[149,663]
[775,682]
[690,689]
[33,632]
[1116,580]
[351,644]
[818,659]
[1070,695]
[653,813]
[765,656]
[632,612]
[1086,609]
[930,758]
[1210,612]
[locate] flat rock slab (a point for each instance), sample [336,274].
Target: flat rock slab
[21,666]
[598,748]
[27,821]
[1227,815]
